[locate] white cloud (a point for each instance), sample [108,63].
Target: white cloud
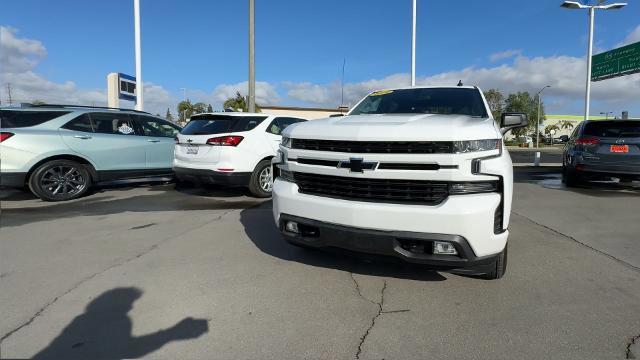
[633,37]
[17,55]
[504,55]
[266,94]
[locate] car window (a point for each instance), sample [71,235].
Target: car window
[119,124]
[19,119]
[210,124]
[280,123]
[616,128]
[156,127]
[81,123]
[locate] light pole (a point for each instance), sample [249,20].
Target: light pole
[252,65]
[139,86]
[606,114]
[539,110]
[592,13]
[413,46]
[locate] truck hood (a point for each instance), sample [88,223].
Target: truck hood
[397,127]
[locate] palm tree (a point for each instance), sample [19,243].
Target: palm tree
[238,103]
[566,125]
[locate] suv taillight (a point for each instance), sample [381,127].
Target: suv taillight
[5,135]
[587,141]
[225,141]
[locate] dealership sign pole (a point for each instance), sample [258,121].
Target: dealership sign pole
[139,88]
[413,46]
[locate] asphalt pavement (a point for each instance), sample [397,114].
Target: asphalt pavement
[203,274]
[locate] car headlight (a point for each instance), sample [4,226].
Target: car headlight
[286,142]
[461,147]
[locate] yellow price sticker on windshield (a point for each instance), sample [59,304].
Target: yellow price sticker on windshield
[381,92]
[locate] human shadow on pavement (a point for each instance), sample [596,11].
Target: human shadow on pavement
[104,331]
[260,228]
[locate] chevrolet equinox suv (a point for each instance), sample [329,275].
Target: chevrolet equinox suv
[419,173]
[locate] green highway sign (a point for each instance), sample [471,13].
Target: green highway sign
[617,62]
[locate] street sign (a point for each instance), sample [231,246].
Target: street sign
[617,62]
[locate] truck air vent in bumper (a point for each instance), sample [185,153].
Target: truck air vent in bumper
[376,147]
[378,190]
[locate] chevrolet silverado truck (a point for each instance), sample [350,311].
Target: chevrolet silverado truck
[417,173]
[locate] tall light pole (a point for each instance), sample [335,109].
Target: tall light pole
[413,46]
[139,86]
[539,111]
[252,65]
[592,13]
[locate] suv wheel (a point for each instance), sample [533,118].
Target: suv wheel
[500,267]
[570,177]
[60,180]
[261,180]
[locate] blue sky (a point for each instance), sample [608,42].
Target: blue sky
[300,46]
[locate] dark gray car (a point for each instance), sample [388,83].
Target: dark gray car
[602,149]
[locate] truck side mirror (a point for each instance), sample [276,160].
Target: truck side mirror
[511,121]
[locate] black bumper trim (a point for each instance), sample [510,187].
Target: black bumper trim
[13,179]
[387,243]
[213,177]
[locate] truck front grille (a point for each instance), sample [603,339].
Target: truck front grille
[378,190]
[375,147]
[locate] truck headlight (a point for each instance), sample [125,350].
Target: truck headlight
[473,187]
[286,142]
[461,147]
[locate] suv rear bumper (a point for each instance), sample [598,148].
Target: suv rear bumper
[13,179]
[470,217]
[213,177]
[320,234]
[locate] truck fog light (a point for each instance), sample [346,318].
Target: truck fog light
[292,226]
[444,248]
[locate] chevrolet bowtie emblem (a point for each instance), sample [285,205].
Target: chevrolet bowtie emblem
[357,165]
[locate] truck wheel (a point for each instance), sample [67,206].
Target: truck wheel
[60,180]
[500,267]
[261,180]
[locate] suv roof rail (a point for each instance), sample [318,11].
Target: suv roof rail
[64,106]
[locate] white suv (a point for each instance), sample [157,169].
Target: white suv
[233,149]
[417,173]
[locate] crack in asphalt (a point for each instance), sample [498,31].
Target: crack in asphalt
[84,280]
[374,318]
[632,341]
[631,266]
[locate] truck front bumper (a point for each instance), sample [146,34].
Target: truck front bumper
[467,221]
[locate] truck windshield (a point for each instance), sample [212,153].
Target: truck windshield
[446,101]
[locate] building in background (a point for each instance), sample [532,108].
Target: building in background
[303,112]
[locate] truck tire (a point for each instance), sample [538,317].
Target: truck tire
[261,182]
[60,180]
[500,267]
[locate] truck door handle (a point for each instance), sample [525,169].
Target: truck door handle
[153,140]
[83,137]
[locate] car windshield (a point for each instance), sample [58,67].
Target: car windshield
[616,128]
[446,101]
[218,124]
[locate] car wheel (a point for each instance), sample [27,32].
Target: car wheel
[500,267]
[60,180]
[261,181]
[570,178]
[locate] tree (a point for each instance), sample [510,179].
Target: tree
[38,102]
[238,103]
[495,99]
[199,108]
[566,125]
[548,128]
[525,103]
[168,116]
[209,108]
[185,110]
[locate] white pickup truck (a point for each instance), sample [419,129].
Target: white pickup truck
[417,173]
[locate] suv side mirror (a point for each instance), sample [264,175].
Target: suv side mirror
[511,121]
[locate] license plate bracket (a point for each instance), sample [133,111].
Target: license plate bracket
[619,148]
[192,150]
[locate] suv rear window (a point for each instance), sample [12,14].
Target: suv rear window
[218,124]
[616,128]
[19,119]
